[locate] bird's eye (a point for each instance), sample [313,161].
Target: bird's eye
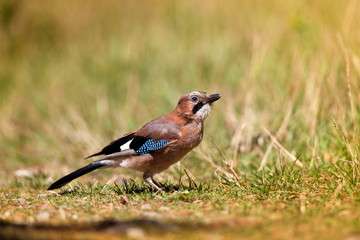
[194,99]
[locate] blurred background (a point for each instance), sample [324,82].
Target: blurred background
[76,75]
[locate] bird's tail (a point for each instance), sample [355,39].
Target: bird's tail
[78,173]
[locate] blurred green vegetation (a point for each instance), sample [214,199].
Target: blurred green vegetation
[74,76]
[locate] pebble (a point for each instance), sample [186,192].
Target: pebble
[62,213]
[145,207]
[43,216]
[23,173]
[135,233]
[225,212]
[164,208]
[6,214]
[21,201]
[153,215]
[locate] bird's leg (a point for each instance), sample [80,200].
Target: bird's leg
[149,180]
[156,183]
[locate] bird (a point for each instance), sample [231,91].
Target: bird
[157,145]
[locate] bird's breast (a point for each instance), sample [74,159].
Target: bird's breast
[191,136]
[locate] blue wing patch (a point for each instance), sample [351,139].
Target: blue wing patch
[150,146]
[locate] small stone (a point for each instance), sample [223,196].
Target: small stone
[111,206]
[135,233]
[164,208]
[6,214]
[145,207]
[43,216]
[225,212]
[153,215]
[62,213]
[42,195]
[23,173]
[21,201]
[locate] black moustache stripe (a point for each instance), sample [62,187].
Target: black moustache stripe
[197,107]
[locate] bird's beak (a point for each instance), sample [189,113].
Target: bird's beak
[212,98]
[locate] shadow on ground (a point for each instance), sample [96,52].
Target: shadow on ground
[135,228]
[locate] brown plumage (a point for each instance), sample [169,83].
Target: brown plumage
[158,144]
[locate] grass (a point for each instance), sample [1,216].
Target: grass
[280,155]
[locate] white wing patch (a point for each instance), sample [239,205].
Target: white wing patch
[126,145]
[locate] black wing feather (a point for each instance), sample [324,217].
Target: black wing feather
[114,146]
[138,141]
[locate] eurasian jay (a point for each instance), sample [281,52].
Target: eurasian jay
[157,145]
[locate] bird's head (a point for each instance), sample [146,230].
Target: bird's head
[196,105]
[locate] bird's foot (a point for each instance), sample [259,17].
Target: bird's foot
[152,183]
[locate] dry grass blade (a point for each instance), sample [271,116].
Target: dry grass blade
[191,181]
[339,188]
[282,149]
[217,168]
[280,132]
[206,157]
[235,141]
[227,164]
[345,54]
[265,157]
[349,90]
[345,140]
